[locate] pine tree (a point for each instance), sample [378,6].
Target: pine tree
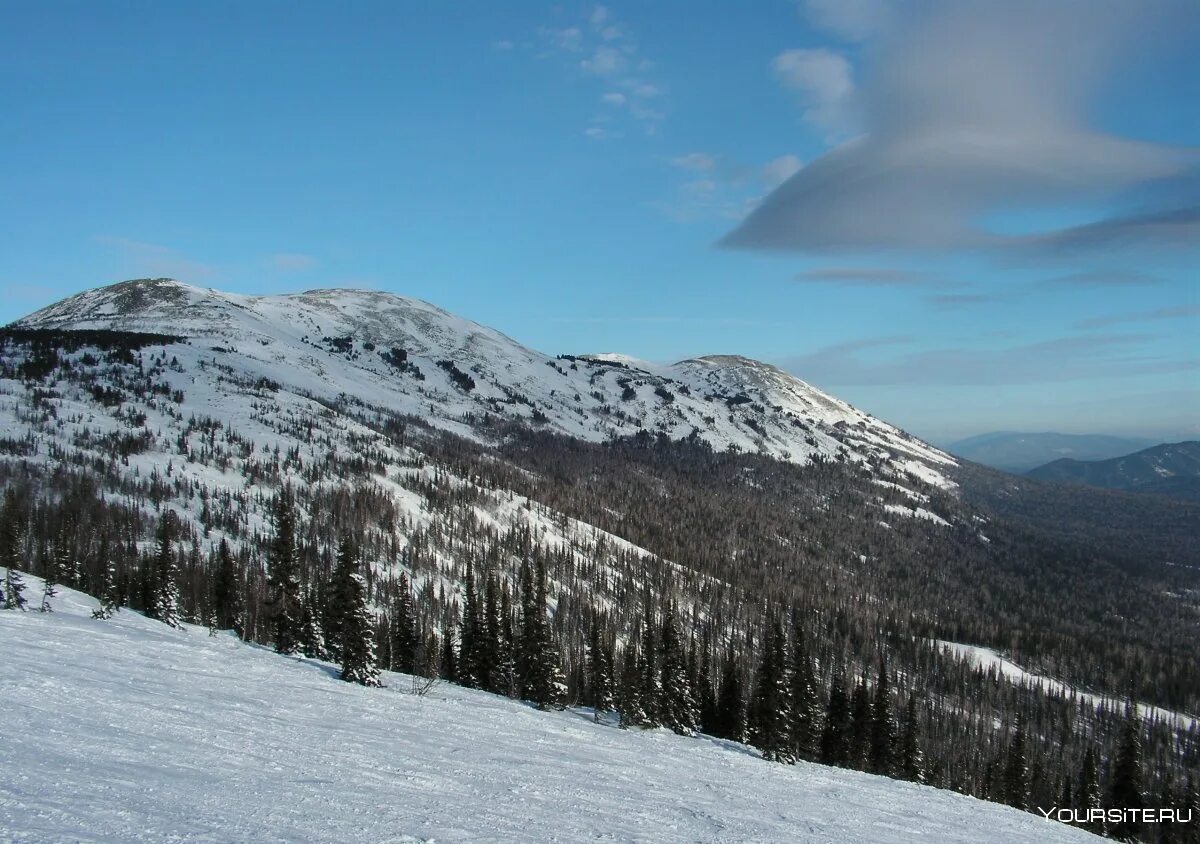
[883,727]
[12,551]
[632,714]
[107,587]
[339,597]
[404,629]
[731,704]
[164,578]
[650,689]
[470,665]
[835,740]
[806,709]
[312,639]
[1127,790]
[709,716]
[488,656]
[678,710]
[1087,796]
[911,765]
[860,725]
[49,582]
[770,710]
[1016,770]
[228,589]
[283,581]
[600,672]
[543,684]
[358,638]
[506,656]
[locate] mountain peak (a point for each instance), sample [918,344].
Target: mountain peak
[406,355]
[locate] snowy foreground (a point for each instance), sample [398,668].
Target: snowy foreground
[129,731]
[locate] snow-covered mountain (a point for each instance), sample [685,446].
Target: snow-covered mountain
[381,350]
[127,730]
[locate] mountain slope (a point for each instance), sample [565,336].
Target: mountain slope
[129,731]
[412,357]
[1019,452]
[1171,469]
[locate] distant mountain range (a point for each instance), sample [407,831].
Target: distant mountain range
[1170,469]
[1017,452]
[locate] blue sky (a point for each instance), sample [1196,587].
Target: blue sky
[961,217]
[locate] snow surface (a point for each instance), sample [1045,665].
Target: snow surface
[128,731]
[727,400]
[989,660]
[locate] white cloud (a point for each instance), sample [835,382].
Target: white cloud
[778,171]
[152,260]
[854,20]
[824,80]
[615,98]
[502,46]
[605,61]
[291,262]
[695,161]
[974,108]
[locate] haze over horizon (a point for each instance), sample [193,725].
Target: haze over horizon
[955,233]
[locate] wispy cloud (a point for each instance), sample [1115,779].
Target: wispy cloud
[291,262]
[959,300]
[1102,278]
[719,189]
[868,277]
[1071,358]
[154,260]
[601,48]
[1156,315]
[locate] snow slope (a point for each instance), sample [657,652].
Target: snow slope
[335,343]
[129,731]
[990,661]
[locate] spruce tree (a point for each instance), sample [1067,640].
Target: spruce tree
[470,666]
[860,725]
[678,708]
[543,683]
[49,585]
[1127,790]
[883,727]
[770,710]
[1016,770]
[1087,795]
[835,739]
[731,704]
[106,590]
[283,578]
[632,714]
[339,596]
[650,690]
[228,590]
[600,672]
[12,551]
[488,656]
[358,637]
[404,629]
[312,639]
[165,585]
[806,709]
[506,656]
[706,692]
[911,765]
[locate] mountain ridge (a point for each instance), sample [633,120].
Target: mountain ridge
[1171,469]
[411,355]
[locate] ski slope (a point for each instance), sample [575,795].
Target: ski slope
[129,731]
